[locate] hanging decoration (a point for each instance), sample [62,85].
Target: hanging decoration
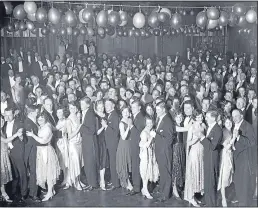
[102,18]
[139,20]
[123,18]
[201,19]
[30,7]
[223,19]
[213,13]
[87,15]
[153,20]
[8,7]
[70,18]
[212,24]
[22,26]
[30,26]
[176,21]
[19,12]
[113,18]
[32,17]
[54,16]
[233,19]
[251,16]
[76,32]
[242,21]
[239,9]
[41,15]
[83,30]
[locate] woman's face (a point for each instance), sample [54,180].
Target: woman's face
[61,90]
[99,95]
[100,107]
[125,113]
[74,73]
[179,118]
[18,79]
[41,120]
[228,124]
[60,114]
[73,109]
[149,123]
[149,111]
[145,89]
[199,118]
[122,91]
[128,95]
[171,91]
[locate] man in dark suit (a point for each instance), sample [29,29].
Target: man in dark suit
[249,107]
[163,139]
[29,58]
[138,126]
[16,154]
[112,139]
[46,61]
[35,69]
[110,77]
[251,62]
[244,156]
[89,144]
[252,80]
[22,54]
[211,143]
[235,58]
[21,66]
[48,109]
[84,48]
[31,150]
[8,82]
[177,59]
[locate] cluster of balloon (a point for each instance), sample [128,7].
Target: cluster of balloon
[213,15]
[176,21]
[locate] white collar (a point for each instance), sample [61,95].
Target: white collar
[212,125]
[237,126]
[10,123]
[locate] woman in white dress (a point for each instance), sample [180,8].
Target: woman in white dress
[226,163]
[47,165]
[74,148]
[194,178]
[149,170]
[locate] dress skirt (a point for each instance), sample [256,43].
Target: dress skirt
[6,171]
[47,166]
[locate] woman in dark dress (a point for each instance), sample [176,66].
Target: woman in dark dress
[178,162]
[100,116]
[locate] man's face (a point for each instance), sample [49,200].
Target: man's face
[205,105]
[48,105]
[188,109]
[3,97]
[237,117]
[10,73]
[8,116]
[240,104]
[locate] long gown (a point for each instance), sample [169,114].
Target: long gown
[226,162]
[149,169]
[194,177]
[6,172]
[123,159]
[47,165]
[74,151]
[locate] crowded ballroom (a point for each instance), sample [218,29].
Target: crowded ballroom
[125,103]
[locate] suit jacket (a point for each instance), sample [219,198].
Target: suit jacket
[24,66]
[249,113]
[52,118]
[4,70]
[112,131]
[81,49]
[254,85]
[6,86]
[138,126]
[44,61]
[35,70]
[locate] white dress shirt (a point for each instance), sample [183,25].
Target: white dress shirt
[21,54]
[10,66]
[210,128]
[237,126]
[160,119]
[29,59]
[84,114]
[57,83]
[20,66]
[12,81]
[36,59]
[252,79]
[40,65]
[34,88]
[251,61]
[3,107]
[48,63]
[9,132]
[85,48]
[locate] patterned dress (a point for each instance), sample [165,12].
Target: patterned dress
[6,172]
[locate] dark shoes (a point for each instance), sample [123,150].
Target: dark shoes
[132,193]
[34,199]
[160,200]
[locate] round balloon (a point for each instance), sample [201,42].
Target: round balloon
[70,18]
[212,24]
[54,16]
[239,9]
[156,32]
[201,19]
[19,12]
[125,34]
[143,32]
[34,31]
[130,33]
[176,21]
[137,32]
[16,26]
[113,18]
[69,31]
[162,16]
[233,19]
[123,16]
[30,7]
[83,30]
[102,18]
[90,31]
[87,14]
[76,32]
[10,27]
[251,16]
[167,11]
[8,7]
[192,13]
[41,15]
[32,17]
[153,20]
[242,21]
[139,20]
[223,19]
[110,31]
[80,16]
[53,30]
[22,26]
[213,13]
[30,26]
[63,31]
[44,31]
[119,32]
[102,36]
[101,31]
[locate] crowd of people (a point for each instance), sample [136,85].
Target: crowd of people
[186,125]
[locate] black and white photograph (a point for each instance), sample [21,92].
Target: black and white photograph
[128,103]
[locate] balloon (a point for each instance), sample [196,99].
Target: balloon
[53,30]
[80,16]
[190,30]
[41,15]
[165,30]
[137,32]
[76,32]
[54,16]
[198,30]
[156,32]
[223,19]
[110,31]
[32,17]
[101,31]
[102,18]
[176,21]
[162,17]
[212,24]
[242,21]
[30,26]
[192,13]
[70,18]
[147,34]
[239,9]
[167,11]
[251,16]
[87,14]
[201,19]
[19,12]
[63,31]
[16,26]
[194,30]
[69,31]
[143,33]
[153,20]
[113,36]
[8,7]
[184,13]
[120,33]
[34,31]
[178,31]
[125,34]
[182,29]
[139,20]
[83,30]
[113,18]
[213,13]
[30,7]
[90,31]
[10,27]
[102,36]
[44,31]
[232,20]
[130,33]
[22,26]
[123,18]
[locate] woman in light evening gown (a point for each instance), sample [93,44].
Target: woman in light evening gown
[6,172]
[74,148]
[149,170]
[226,162]
[123,154]
[47,165]
[194,177]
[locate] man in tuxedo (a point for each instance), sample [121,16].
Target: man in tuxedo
[30,124]
[110,77]
[211,143]
[138,126]
[244,156]
[188,54]
[22,54]
[251,62]
[4,68]
[84,49]
[48,109]
[29,58]
[177,59]
[47,61]
[249,107]
[21,66]
[253,79]
[16,147]
[112,139]
[35,69]
[6,102]
[163,139]
[89,144]
[235,58]
[9,82]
